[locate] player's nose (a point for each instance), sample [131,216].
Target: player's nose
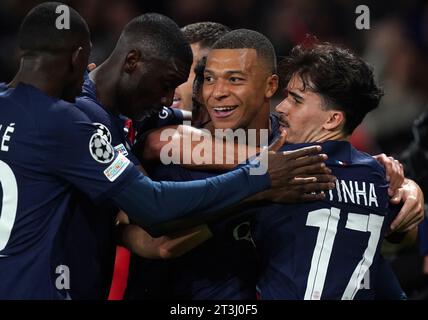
[282,107]
[220,89]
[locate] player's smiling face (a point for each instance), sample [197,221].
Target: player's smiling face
[301,113]
[236,88]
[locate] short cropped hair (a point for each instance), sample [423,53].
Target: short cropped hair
[157,35]
[344,81]
[249,39]
[39,32]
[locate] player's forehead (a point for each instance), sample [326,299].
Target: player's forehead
[171,69]
[303,86]
[220,60]
[296,83]
[303,92]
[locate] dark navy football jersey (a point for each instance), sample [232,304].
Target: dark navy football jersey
[166,117]
[326,249]
[222,268]
[90,234]
[91,242]
[111,125]
[47,148]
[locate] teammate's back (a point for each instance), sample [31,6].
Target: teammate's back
[28,120]
[323,249]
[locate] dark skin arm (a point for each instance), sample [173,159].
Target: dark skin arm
[177,244]
[138,241]
[299,188]
[403,191]
[154,143]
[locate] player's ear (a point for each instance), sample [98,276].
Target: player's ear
[131,61]
[79,59]
[335,120]
[271,86]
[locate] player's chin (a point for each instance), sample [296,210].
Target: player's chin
[230,122]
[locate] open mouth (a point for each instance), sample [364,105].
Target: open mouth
[223,112]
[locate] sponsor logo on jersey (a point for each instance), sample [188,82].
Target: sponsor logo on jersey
[117,167]
[163,114]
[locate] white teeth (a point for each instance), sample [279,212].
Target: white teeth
[224,108]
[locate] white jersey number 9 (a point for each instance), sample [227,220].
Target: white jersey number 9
[9,203]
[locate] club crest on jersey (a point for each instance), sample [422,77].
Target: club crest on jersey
[103,131]
[100,149]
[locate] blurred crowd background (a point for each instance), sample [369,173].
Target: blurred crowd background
[396,45]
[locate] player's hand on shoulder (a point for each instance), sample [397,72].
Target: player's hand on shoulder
[298,175]
[284,167]
[394,172]
[301,189]
[412,212]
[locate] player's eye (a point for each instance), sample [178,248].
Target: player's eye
[296,100]
[236,79]
[208,78]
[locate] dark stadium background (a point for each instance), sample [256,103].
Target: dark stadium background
[396,45]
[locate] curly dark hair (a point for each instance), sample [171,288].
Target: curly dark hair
[344,81]
[205,33]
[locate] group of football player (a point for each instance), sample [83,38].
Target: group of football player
[81,169]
